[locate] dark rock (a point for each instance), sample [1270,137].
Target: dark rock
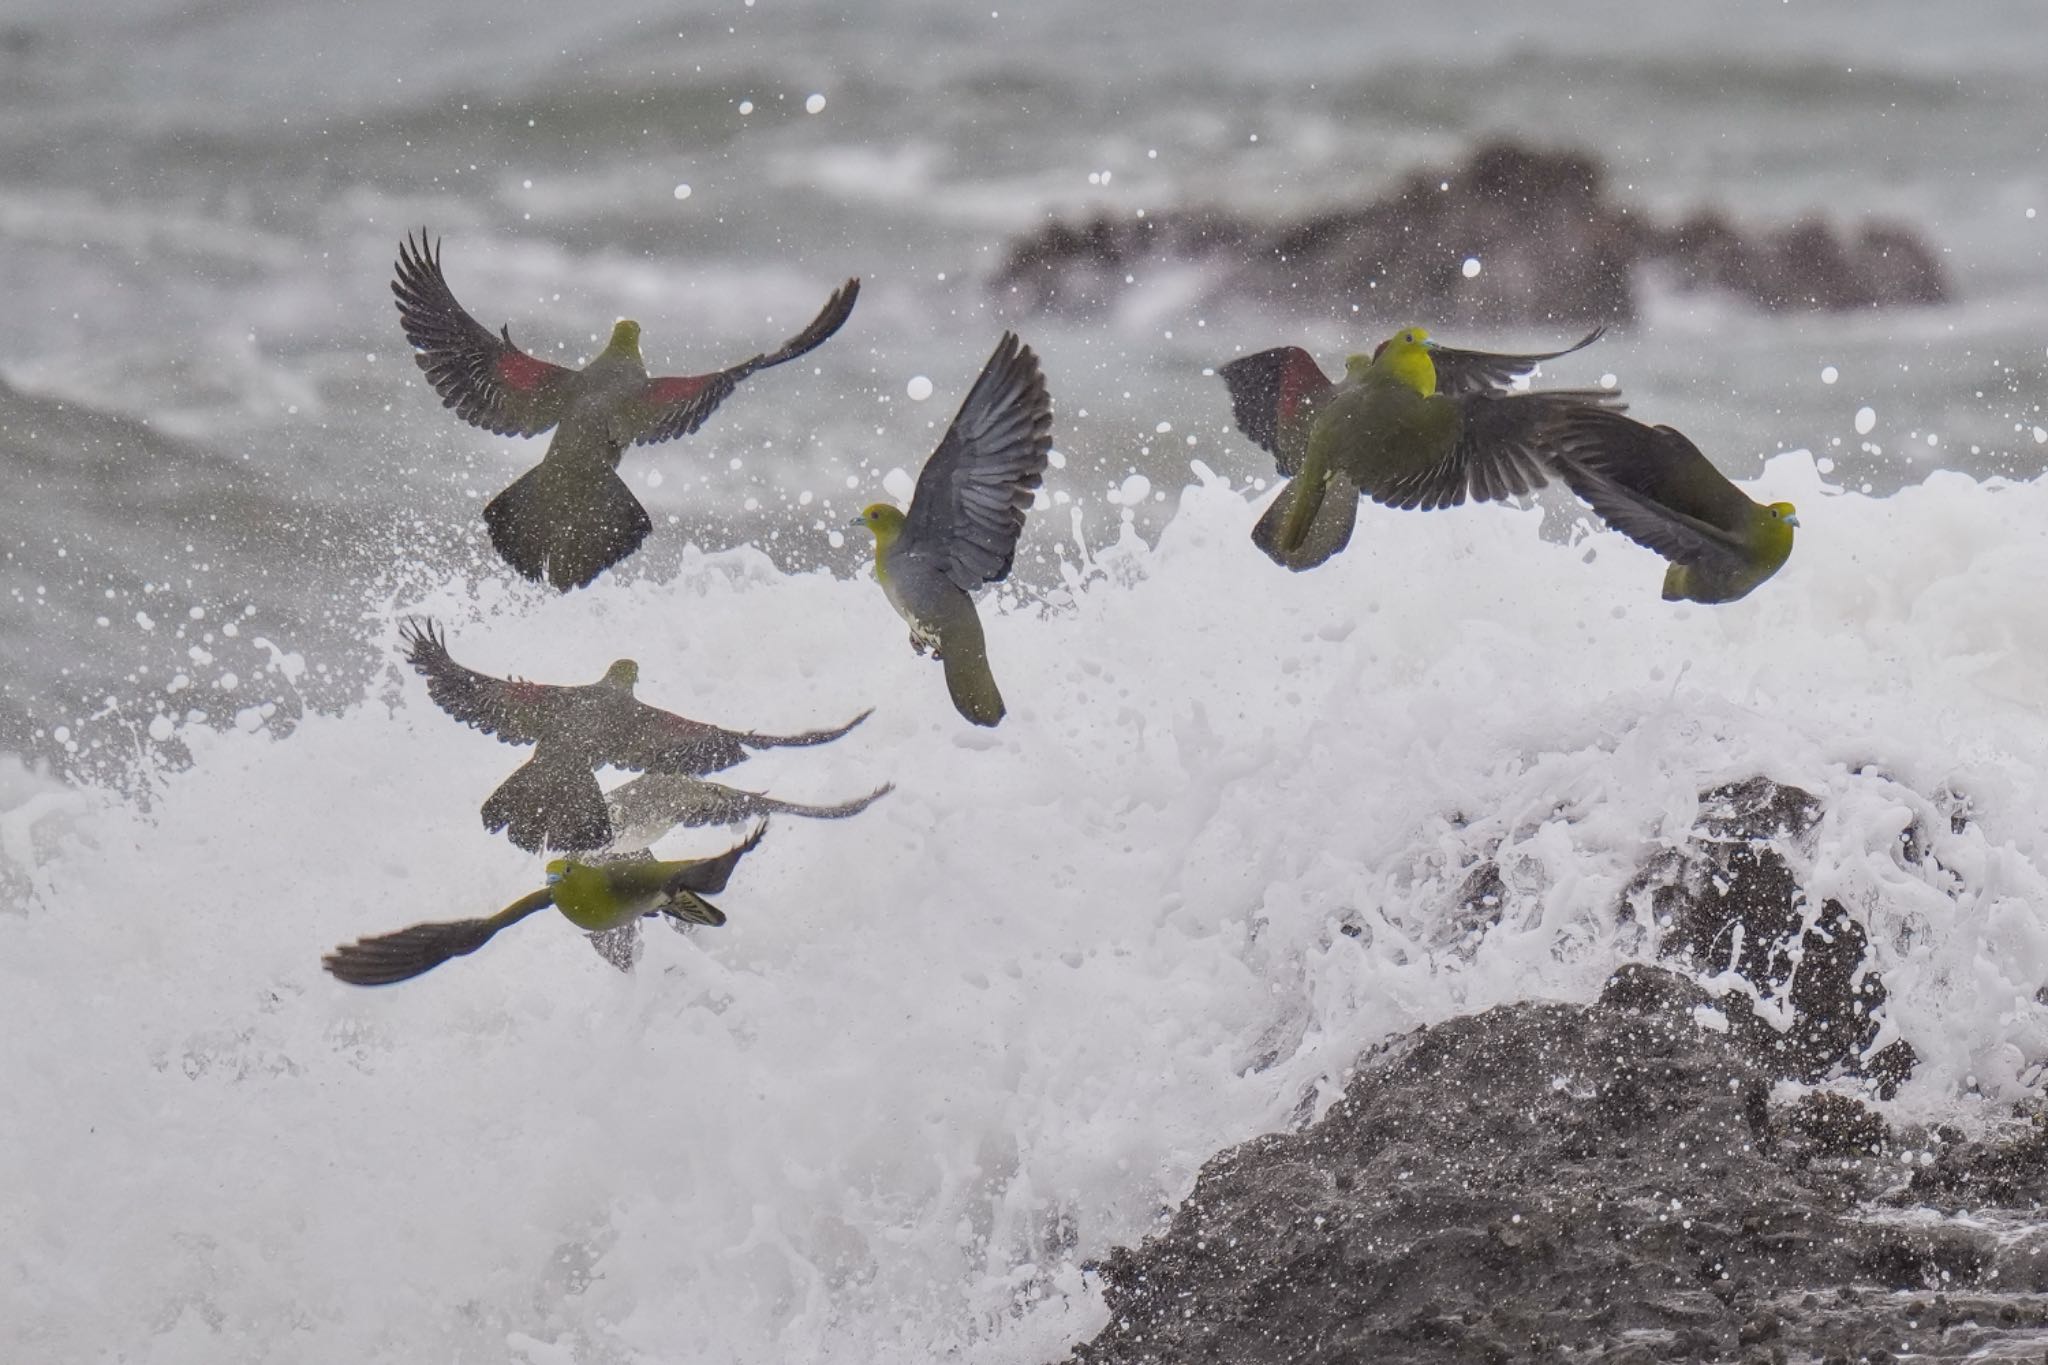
[1552,1182]
[1556,247]
[1729,901]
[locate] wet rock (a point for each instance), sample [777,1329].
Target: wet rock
[1553,243]
[1553,1182]
[1729,902]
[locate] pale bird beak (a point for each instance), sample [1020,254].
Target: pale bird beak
[1792,520]
[858,521]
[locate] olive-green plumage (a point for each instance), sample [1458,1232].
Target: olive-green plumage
[571,517]
[1657,488]
[964,519]
[1413,425]
[553,800]
[594,896]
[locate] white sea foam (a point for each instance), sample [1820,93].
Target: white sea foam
[948,1050]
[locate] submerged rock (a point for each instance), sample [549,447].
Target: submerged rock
[1602,1183]
[1552,243]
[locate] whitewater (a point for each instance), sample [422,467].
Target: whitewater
[947,1052]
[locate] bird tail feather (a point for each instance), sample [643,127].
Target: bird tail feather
[562,808]
[566,523]
[964,651]
[1327,528]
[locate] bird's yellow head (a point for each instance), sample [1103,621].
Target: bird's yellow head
[1404,355]
[625,338]
[623,673]
[1785,512]
[557,869]
[884,519]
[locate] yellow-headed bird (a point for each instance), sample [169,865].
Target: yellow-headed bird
[1413,425]
[596,897]
[1655,487]
[571,517]
[964,519]
[554,799]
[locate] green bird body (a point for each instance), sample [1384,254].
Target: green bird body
[964,519]
[554,800]
[571,517]
[1656,487]
[1413,425]
[594,896]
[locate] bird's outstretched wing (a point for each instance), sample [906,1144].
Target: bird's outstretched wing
[516,712]
[487,380]
[1499,452]
[654,803]
[1273,396]
[649,739]
[388,958]
[708,876]
[1656,464]
[676,406]
[1466,372]
[968,510]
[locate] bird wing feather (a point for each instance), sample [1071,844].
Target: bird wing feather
[1658,464]
[486,379]
[1499,453]
[676,406]
[1274,396]
[968,509]
[708,876]
[632,734]
[516,712]
[1680,538]
[1467,372]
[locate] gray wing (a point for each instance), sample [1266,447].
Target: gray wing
[969,506]
[1679,538]
[1465,372]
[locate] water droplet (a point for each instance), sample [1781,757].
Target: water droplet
[682,191]
[1866,418]
[815,105]
[1829,374]
[1471,266]
[919,388]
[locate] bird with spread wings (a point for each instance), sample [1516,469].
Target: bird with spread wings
[554,800]
[571,517]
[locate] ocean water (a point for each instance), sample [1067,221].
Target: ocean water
[947,1052]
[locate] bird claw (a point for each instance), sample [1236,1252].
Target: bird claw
[917,643]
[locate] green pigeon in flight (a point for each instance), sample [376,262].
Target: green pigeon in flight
[964,519]
[571,517]
[1413,425]
[595,896]
[553,800]
[1655,487]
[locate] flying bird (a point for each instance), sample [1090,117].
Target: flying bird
[1413,425]
[571,517]
[554,799]
[1655,487]
[964,519]
[595,897]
